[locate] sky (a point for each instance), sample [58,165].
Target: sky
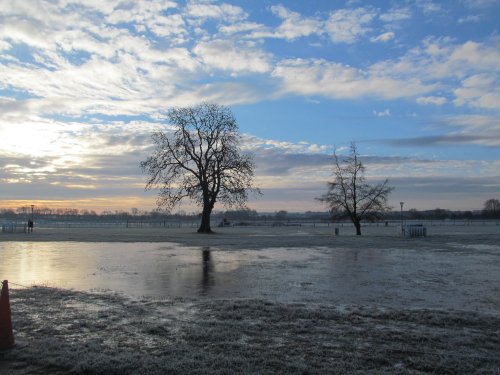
[416,84]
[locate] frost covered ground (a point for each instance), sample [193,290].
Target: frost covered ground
[60,330]
[427,305]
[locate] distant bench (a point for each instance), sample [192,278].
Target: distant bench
[415,230]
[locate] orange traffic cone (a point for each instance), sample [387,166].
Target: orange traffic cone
[6,334]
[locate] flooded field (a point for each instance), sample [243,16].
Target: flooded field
[440,272]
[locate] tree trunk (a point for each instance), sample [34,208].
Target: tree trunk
[205,220]
[357,224]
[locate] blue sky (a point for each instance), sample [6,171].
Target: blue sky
[414,83]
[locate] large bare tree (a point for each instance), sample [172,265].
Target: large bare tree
[349,195]
[200,160]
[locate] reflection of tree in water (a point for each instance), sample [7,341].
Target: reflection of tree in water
[207,279]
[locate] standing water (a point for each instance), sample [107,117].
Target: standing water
[455,276]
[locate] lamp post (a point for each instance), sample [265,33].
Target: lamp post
[402,203]
[32,224]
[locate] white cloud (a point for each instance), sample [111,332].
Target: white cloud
[295,164]
[384,37]
[25,32]
[384,113]
[469,70]
[139,80]
[4,45]
[222,11]
[232,57]
[482,129]
[348,25]
[476,56]
[334,80]
[469,19]
[97,87]
[440,59]
[241,27]
[226,93]
[294,25]
[435,100]
[480,90]
[481,3]
[395,15]
[428,6]
[150,16]
[252,142]
[101,6]
[168,26]
[83,62]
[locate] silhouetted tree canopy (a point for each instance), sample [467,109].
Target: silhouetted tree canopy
[349,195]
[440,214]
[491,209]
[200,160]
[281,215]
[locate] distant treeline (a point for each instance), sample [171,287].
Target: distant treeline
[491,211]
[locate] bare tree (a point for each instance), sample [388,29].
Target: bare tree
[350,196]
[200,160]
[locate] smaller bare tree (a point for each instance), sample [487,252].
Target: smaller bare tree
[349,195]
